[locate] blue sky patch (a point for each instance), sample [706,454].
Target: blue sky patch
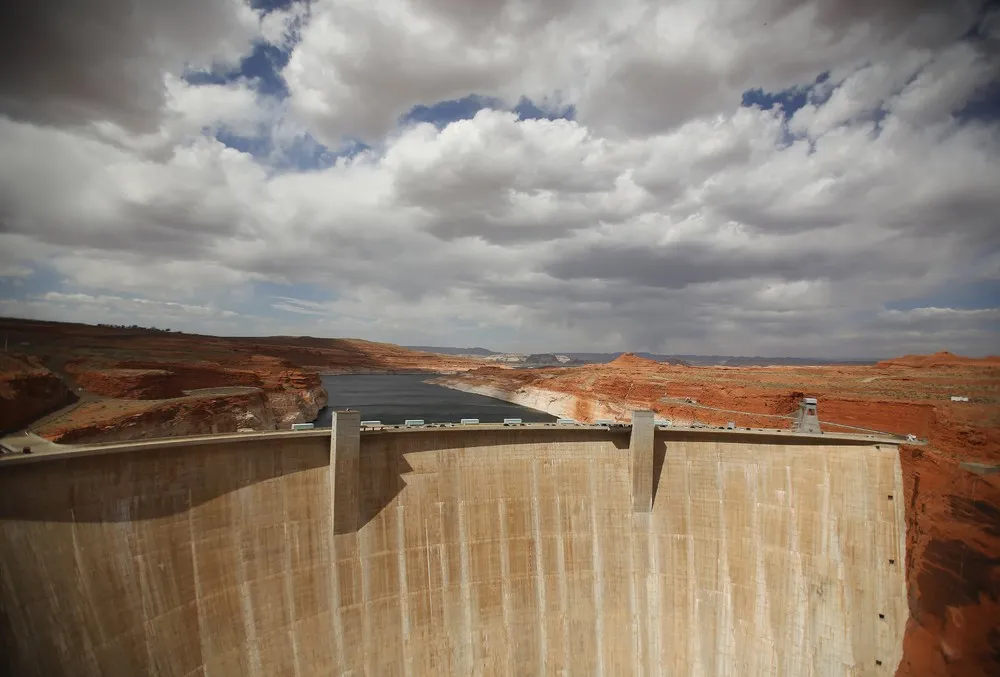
[262,66]
[259,146]
[41,280]
[307,153]
[264,63]
[293,299]
[303,291]
[443,113]
[268,6]
[527,110]
[984,106]
[790,100]
[304,153]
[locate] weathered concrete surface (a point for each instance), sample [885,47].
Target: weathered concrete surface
[512,551]
[641,448]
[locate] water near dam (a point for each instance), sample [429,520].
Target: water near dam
[393,398]
[475,550]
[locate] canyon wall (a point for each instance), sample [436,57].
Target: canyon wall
[27,391]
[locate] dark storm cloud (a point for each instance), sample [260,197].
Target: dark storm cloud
[66,62]
[976,207]
[928,23]
[622,315]
[675,266]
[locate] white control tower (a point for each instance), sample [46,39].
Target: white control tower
[806,420]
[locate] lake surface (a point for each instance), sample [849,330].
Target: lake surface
[393,398]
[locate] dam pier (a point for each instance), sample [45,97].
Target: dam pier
[484,549]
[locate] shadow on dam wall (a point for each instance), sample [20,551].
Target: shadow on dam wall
[469,551]
[179,477]
[384,467]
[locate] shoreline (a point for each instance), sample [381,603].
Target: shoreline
[560,405]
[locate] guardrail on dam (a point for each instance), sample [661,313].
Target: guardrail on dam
[468,550]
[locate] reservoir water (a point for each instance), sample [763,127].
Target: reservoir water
[393,398]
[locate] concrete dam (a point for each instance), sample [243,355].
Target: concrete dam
[465,550]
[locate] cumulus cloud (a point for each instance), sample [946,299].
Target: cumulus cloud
[635,67]
[664,216]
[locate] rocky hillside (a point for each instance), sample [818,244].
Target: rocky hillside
[117,420]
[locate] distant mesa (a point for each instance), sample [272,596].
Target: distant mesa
[445,350]
[633,360]
[573,359]
[939,359]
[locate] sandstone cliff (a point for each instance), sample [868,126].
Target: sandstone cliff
[583,408]
[295,397]
[130,384]
[28,390]
[145,399]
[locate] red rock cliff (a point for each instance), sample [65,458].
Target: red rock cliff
[28,390]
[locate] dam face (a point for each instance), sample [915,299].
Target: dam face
[490,550]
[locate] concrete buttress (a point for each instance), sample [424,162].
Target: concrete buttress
[641,451]
[345,445]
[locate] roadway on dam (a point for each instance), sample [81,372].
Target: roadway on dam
[467,550]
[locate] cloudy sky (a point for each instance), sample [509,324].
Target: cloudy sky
[769,177]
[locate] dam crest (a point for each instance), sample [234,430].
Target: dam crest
[472,550]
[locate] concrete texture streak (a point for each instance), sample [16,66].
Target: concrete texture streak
[486,552]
